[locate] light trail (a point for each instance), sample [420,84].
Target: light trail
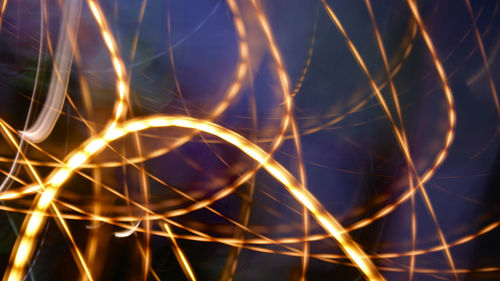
[139,190]
[33,223]
[483,56]
[399,133]
[63,59]
[183,261]
[288,120]
[122,85]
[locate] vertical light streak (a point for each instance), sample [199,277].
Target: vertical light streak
[399,134]
[387,68]
[122,84]
[452,120]
[413,231]
[285,87]
[14,167]
[144,185]
[305,214]
[92,241]
[231,262]
[2,11]
[381,47]
[282,74]
[76,251]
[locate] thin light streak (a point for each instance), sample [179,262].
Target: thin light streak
[399,134]
[128,232]
[183,261]
[256,48]
[452,120]
[483,56]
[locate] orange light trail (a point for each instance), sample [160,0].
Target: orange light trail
[170,124]
[58,177]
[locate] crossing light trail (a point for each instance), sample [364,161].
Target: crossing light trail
[33,223]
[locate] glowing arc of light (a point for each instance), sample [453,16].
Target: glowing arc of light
[59,176]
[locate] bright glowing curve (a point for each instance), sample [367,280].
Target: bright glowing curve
[33,223]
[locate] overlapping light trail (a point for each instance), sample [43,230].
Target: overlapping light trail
[58,177]
[399,131]
[258,50]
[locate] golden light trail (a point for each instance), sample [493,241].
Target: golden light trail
[401,126]
[400,137]
[183,261]
[59,176]
[134,194]
[122,84]
[2,11]
[45,200]
[288,97]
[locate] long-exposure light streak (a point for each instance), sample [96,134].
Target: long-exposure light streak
[183,261]
[143,126]
[59,176]
[63,59]
[400,137]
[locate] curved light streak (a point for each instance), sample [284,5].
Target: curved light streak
[63,60]
[34,222]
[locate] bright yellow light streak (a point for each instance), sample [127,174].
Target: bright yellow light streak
[136,126]
[119,109]
[23,251]
[77,160]
[118,65]
[114,133]
[14,276]
[9,195]
[49,194]
[328,222]
[34,223]
[59,177]
[111,46]
[33,226]
[186,267]
[94,146]
[96,12]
